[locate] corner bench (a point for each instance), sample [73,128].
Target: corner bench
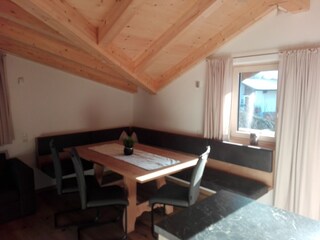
[213,179]
[258,159]
[65,140]
[217,180]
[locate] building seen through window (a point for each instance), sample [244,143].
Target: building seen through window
[257,101]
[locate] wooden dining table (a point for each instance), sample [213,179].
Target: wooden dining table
[133,174]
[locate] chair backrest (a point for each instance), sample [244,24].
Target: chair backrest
[80,177]
[197,176]
[56,165]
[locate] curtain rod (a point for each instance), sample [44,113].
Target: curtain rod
[256,55]
[244,56]
[272,52]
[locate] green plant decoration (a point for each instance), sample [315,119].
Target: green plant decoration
[128,142]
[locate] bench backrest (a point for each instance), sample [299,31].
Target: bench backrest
[255,158]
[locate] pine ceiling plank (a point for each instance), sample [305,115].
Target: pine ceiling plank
[39,56]
[67,51]
[93,10]
[182,23]
[249,16]
[153,18]
[12,12]
[114,21]
[295,6]
[197,34]
[67,21]
[58,13]
[123,59]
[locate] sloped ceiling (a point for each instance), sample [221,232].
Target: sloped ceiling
[127,43]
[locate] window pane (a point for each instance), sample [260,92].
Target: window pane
[257,102]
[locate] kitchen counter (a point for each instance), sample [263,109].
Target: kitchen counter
[229,216]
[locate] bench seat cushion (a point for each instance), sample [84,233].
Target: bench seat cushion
[217,180]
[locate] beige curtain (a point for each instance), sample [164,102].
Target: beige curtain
[6,129]
[218,98]
[297,185]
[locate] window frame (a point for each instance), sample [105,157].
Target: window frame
[235,134]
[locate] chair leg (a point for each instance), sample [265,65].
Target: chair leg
[96,222]
[98,214]
[152,221]
[125,223]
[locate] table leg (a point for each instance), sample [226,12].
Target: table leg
[131,187]
[160,182]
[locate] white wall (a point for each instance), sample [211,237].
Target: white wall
[52,101]
[278,31]
[176,108]
[179,106]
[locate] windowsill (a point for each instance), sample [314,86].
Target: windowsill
[245,142]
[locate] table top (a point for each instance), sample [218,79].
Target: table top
[228,216]
[138,174]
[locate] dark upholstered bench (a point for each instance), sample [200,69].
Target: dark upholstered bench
[259,159]
[254,158]
[218,180]
[44,162]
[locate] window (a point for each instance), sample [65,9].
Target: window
[254,101]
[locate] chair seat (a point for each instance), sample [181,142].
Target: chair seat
[171,194]
[110,195]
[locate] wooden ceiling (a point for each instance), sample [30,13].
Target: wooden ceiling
[127,43]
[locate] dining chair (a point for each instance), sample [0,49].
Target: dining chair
[64,185]
[177,195]
[97,197]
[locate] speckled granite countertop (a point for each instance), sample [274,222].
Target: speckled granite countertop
[228,216]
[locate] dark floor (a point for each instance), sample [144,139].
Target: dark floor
[41,224]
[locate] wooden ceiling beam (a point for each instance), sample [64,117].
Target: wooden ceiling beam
[58,14]
[246,19]
[47,44]
[34,54]
[191,15]
[14,13]
[295,6]
[114,21]
[67,21]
